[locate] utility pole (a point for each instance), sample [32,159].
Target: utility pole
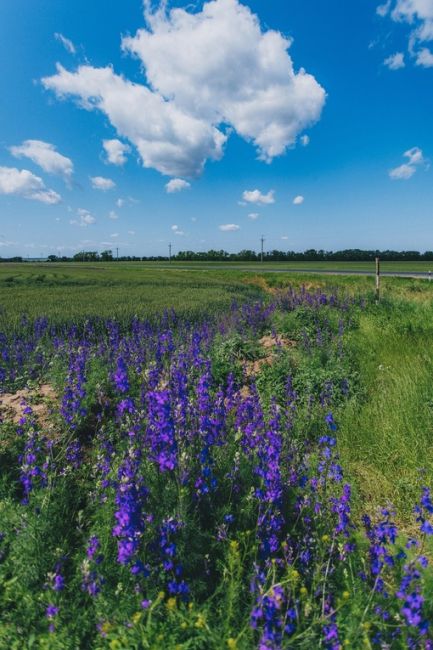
[169,252]
[377,280]
[117,253]
[262,240]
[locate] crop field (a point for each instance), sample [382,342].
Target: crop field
[214,459]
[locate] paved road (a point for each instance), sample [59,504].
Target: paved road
[266,269]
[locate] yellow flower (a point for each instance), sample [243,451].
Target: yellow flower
[303,591]
[136,618]
[232,644]
[295,575]
[171,603]
[346,642]
[325,538]
[234,545]
[346,595]
[106,627]
[200,623]
[161,595]
[115,645]
[190,605]
[366,626]
[184,625]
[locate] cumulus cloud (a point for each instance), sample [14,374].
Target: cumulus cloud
[253,216]
[113,215]
[298,200]
[120,203]
[395,61]
[229,227]
[84,218]
[418,15]
[424,58]
[204,71]
[255,196]
[66,42]
[305,140]
[116,151]
[21,182]
[46,156]
[101,183]
[407,170]
[176,185]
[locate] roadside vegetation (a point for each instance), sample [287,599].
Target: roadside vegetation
[194,460]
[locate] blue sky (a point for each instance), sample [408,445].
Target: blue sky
[213,134]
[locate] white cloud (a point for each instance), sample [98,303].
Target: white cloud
[175,227]
[116,151]
[101,183]
[22,182]
[298,200]
[255,196]
[85,218]
[253,216]
[403,172]
[180,233]
[131,232]
[407,170]
[206,70]
[67,44]
[284,237]
[229,227]
[114,235]
[46,156]
[418,15]
[177,185]
[113,215]
[305,140]
[395,61]
[120,203]
[424,58]
[383,10]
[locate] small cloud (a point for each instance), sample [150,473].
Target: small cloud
[113,215]
[174,228]
[298,200]
[395,61]
[85,218]
[407,170]
[424,58]
[284,237]
[101,183]
[176,185]
[229,227]
[21,182]
[116,151]
[114,235]
[305,140]
[131,232]
[67,44]
[46,156]
[180,233]
[253,216]
[383,10]
[255,196]
[120,203]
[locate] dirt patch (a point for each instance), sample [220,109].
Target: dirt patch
[260,282]
[270,345]
[40,400]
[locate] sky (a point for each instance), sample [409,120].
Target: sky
[134,125]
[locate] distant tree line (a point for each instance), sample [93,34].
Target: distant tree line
[310,255]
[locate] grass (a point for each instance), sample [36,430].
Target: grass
[386,433]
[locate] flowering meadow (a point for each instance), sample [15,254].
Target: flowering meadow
[175,483]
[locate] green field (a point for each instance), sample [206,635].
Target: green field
[360,371]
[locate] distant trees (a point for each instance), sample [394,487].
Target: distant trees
[246,255]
